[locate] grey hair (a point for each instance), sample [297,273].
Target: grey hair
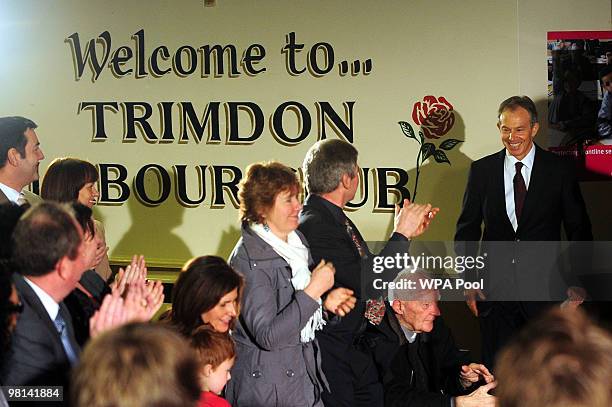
[400,290]
[325,164]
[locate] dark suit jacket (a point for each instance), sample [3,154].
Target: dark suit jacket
[37,356]
[424,373]
[3,198]
[328,239]
[553,199]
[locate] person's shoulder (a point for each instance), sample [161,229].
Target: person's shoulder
[489,160]
[314,212]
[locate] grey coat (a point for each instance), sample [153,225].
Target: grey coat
[273,368]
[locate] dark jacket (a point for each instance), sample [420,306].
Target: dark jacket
[37,356]
[424,373]
[553,200]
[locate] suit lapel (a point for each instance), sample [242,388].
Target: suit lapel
[499,191]
[29,296]
[3,198]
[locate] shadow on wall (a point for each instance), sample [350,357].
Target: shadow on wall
[443,185]
[151,233]
[229,238]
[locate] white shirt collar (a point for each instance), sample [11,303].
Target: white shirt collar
[527,160]
[48,302]
[11,194]
[410,335]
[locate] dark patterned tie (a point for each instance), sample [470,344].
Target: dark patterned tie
[375,309]
[520,190]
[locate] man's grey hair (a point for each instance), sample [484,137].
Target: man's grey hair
[401,291]
[325,164]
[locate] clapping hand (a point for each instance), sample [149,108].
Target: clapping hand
[413,219]
[321,280]
[110,315]
[135,271]
[340,301]
[143,300]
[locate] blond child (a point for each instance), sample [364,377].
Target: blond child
[216,354]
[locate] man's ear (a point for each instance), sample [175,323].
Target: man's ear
[208,370]
[534,129]
[61,267]
[13,156]
[397,306]
[345,181]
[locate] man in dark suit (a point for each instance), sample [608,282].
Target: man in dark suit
[331,174]
[423,366]
[20,156]
[521,194]
[48,253]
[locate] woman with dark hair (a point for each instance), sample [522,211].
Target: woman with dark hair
[207,291]
[284,303]
[73,180]
[86,298]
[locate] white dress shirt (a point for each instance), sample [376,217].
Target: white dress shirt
[48,302]
[509,172]
[410,335]
[11,194]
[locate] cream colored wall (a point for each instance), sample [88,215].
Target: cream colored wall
[474,53]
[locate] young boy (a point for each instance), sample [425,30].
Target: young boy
[216,353]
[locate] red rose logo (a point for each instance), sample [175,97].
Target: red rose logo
[434,115]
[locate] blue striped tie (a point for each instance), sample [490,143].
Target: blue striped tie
[60,325]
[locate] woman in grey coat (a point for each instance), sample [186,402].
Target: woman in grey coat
[277,362]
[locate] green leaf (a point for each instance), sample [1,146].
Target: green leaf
[407,129]
[440,156]
[449,144]
[427,150]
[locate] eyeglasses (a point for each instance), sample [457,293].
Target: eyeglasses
[15,308]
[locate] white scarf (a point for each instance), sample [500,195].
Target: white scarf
[296,254]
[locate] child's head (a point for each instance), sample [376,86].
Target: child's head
[216,356]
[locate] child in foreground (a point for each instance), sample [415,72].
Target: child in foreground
[216,356]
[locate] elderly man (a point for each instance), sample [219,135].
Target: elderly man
[331,174]
[428,369]
[48,252]
[20,156]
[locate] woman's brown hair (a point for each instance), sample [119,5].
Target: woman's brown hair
[259,187]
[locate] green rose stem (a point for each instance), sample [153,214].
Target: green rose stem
[418,171]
